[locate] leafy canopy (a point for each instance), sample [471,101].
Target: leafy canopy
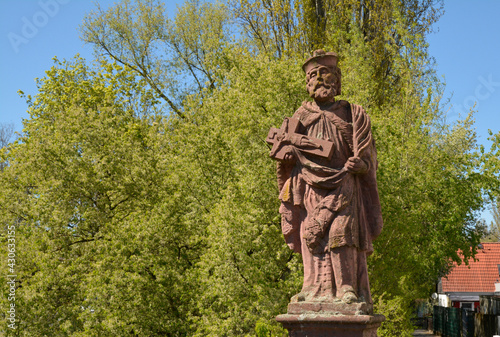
[141,190]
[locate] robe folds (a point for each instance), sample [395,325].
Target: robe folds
[323,205]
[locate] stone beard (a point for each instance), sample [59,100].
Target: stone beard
[330,207]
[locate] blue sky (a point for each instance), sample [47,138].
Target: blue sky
[466,46]
[32,32]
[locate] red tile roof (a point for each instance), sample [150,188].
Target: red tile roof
[478,276]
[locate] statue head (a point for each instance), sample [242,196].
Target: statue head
[322,76]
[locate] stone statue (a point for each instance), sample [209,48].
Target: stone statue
[330,207]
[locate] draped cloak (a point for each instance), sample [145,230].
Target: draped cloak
[334,207]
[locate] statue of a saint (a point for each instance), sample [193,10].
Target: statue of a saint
[330,207]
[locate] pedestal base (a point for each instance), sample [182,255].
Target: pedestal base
[328,325]
[329,308]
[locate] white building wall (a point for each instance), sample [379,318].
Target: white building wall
[444,300]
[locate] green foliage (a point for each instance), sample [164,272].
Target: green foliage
[99,250]
[143,197]
[397,311]
[246,272]
[164,52]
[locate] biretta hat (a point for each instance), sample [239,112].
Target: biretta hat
[320,58]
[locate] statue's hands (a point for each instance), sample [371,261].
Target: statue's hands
[356,165]
[289,157]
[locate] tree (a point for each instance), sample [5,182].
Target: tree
[141,189]
[6,132]
[99,248]
[493,233]
[162,51]
[423,164]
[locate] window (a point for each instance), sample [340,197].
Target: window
[467,305]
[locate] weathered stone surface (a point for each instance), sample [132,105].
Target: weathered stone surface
[288,134]
[318,325]
[330,208]
[327,177]
[335,308]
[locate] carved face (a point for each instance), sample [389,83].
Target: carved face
[321,84]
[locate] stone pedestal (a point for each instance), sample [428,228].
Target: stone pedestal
[329,308]
[330,325]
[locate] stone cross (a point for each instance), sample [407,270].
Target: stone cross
[288,135]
